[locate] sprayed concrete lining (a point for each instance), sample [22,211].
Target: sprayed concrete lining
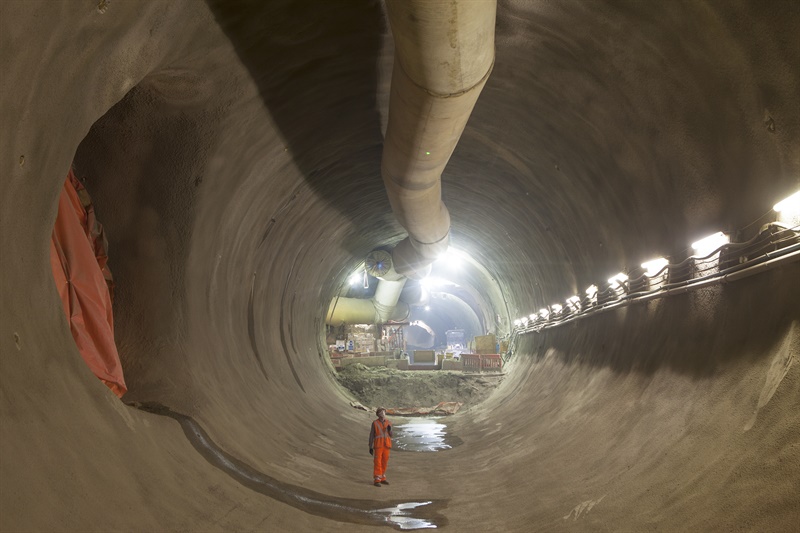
[233,154]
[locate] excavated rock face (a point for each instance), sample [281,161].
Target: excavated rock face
[409,389]
[233,156]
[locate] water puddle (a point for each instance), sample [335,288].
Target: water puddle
[400,515]
[422,435]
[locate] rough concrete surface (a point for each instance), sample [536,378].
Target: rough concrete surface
[232,151]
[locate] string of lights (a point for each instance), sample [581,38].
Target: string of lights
[716,260]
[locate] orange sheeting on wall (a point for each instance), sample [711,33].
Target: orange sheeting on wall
[78,259]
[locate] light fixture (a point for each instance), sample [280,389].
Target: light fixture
[518,322]
[533,317]
[544,312]
[427,307]
[355,278]
[591,291]
[617,280]
[574,302]
[706,245]
[452,257]
[790,203]
[654,266]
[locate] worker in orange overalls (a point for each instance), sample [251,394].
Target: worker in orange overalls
[380,442]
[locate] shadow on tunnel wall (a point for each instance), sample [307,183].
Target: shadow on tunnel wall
[316,68]
[695,334]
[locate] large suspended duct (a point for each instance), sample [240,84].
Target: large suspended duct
[381,308]
[444,53]
[362,311]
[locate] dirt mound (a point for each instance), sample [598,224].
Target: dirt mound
[400,388]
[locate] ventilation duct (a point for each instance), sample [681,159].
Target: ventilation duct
[382,307]
[444,53]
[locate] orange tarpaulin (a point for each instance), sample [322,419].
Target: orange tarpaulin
[78,259]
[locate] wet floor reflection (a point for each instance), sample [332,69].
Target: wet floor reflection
[400,515]
[423,435]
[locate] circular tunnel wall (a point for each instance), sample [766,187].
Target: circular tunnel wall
[233,155]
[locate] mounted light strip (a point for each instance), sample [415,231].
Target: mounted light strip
[706,245]
[617,280]
[790,203]
[654,266]
[704,265]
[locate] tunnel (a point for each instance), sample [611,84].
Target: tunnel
[233,153]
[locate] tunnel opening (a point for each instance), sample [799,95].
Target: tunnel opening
[137,171]
[454,313]
[109,165]
[144,161]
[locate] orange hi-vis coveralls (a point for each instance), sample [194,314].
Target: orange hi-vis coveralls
[380,440]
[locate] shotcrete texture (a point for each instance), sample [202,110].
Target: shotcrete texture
[232,151]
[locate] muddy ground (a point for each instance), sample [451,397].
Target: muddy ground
[373,386]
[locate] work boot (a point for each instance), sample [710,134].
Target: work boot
[377,484]
[384,482]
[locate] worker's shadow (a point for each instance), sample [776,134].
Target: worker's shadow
[316,67]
